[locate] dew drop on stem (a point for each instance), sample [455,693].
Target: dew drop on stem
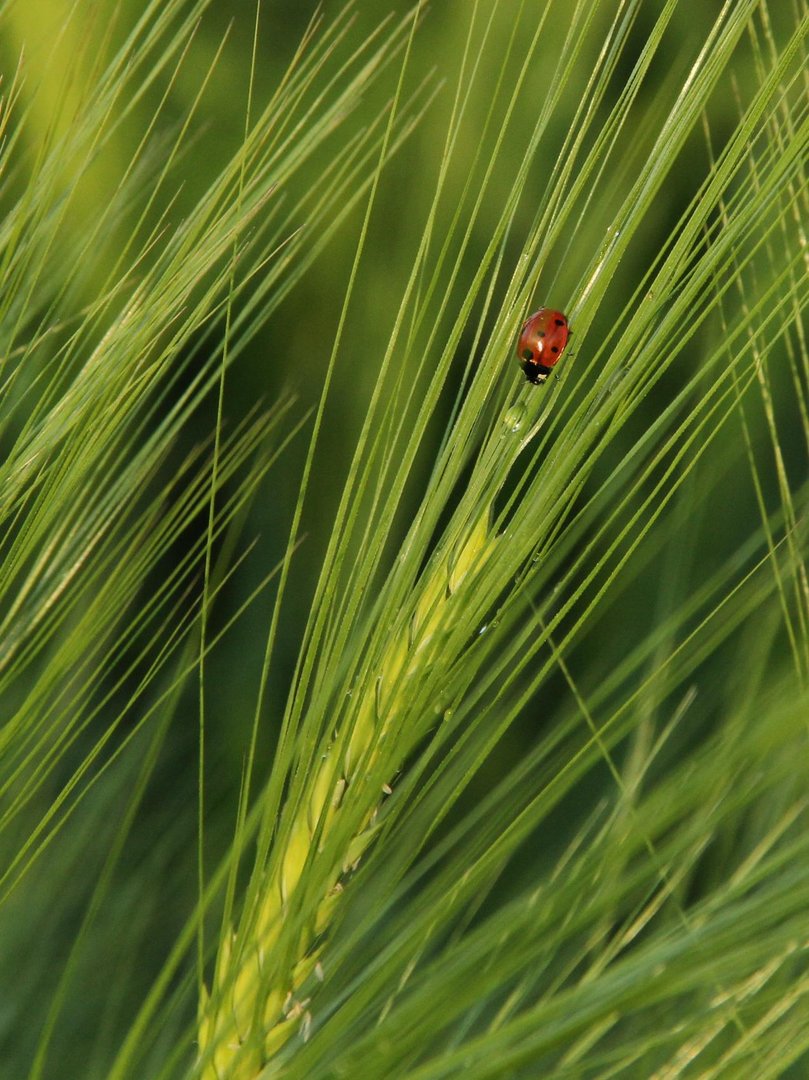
[513,417]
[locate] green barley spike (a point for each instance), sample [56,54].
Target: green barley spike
[243,1022]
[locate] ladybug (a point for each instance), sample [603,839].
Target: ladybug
[542,341]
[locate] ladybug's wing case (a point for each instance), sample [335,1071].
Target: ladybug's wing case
[541,343]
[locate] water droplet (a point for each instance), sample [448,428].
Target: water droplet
[483,629]
[513,417]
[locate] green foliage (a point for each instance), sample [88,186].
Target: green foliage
[367,710]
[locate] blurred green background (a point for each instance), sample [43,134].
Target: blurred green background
[289,353]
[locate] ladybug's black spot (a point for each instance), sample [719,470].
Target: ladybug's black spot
[527,354]
[540,333]
[559,322]
[554,348]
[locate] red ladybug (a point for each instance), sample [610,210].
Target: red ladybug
[542,341]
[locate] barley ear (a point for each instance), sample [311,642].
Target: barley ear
[244,1022]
